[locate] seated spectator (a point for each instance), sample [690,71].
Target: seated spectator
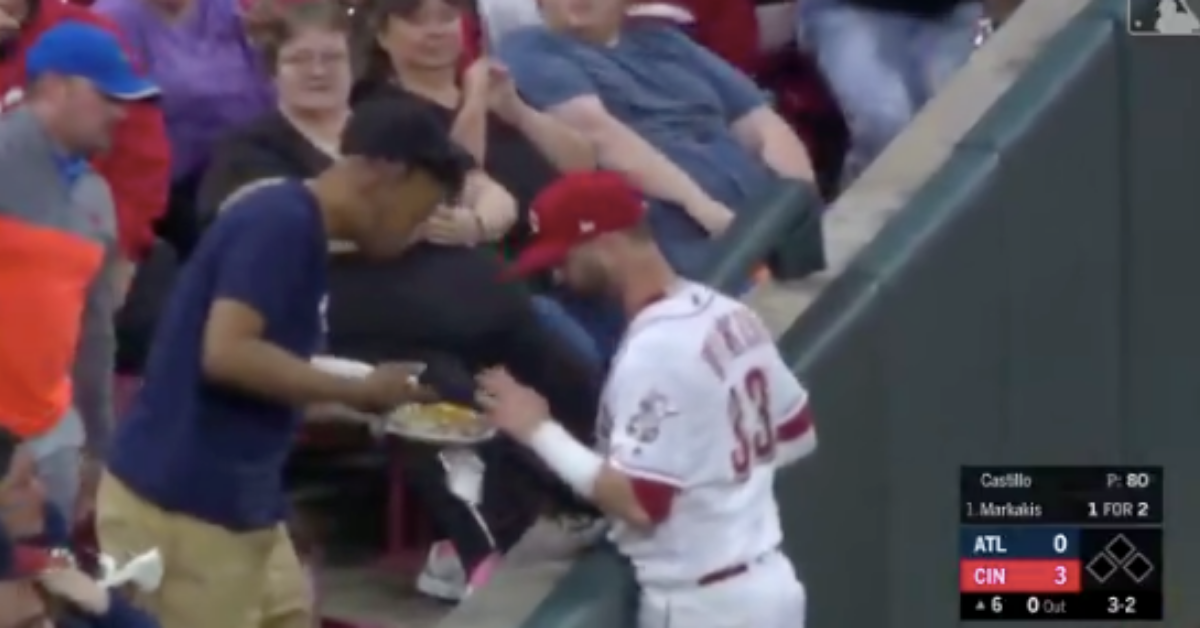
[695,134]
[440,304]
[31,595]
[416,56]
[197,51]
[884,59]
[136,165]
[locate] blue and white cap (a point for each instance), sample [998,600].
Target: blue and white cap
[92,53]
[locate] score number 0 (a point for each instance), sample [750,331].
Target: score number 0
[1033,605]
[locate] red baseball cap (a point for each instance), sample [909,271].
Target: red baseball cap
[574,209]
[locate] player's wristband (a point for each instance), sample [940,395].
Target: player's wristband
[577,465]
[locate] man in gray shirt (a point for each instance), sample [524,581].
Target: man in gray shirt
[58,252]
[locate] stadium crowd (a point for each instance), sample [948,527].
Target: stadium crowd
[140,140]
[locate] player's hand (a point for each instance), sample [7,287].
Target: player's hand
[515,409]
[76,587]
[390,385]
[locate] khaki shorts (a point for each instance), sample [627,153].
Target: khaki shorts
[213,576]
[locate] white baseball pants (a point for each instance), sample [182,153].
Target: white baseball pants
[768,595]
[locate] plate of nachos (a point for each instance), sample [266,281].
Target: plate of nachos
[439,424]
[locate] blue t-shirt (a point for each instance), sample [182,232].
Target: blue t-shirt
[673,92]
[206,450]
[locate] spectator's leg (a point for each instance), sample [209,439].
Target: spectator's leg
[289,598]
[212,576]
[59,472]
[452,518]
[689,258]
[472,539]
[554,316]
[59,462]
[941,47]
[602,320]
[862,54]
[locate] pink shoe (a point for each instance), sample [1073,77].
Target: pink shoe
[483,573]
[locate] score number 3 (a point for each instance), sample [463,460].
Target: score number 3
[753,437]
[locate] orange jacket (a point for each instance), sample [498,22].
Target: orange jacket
[138,168]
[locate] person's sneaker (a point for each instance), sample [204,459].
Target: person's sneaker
[482,573]
[443,577]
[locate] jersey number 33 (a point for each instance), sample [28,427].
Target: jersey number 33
[753,427]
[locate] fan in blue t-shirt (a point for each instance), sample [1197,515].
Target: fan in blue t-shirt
[195,468]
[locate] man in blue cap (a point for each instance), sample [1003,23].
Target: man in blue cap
[58,249]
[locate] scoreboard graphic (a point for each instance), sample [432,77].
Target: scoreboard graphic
[1061,543]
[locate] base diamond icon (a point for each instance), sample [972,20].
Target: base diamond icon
[1139,567]
[1102,567]
[1120,549]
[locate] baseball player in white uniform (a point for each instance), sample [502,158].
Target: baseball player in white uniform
[698,413]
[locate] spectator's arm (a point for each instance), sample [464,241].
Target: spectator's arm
[551,83]
[494,207]
[755,125]
[764,133]
[567,149]
[619,148]
[253,284]
[95,356]
[470,126]
[137,168]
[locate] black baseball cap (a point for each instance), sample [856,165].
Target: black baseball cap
[406,131]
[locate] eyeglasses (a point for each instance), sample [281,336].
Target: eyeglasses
[309,60]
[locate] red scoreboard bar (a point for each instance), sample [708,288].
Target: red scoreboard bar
[1019,576]
[1061,543]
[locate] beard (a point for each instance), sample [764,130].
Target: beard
[592,282]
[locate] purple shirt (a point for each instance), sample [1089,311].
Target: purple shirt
[209,75]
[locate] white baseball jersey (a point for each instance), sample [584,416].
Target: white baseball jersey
[698,398]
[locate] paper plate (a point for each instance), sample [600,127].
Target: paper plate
[341,366]
[414,422]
